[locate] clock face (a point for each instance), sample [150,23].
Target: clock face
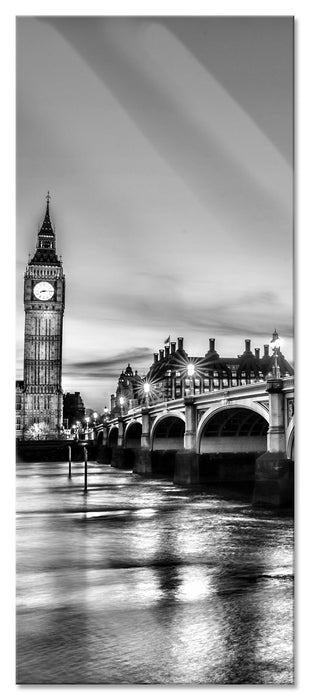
[43,291]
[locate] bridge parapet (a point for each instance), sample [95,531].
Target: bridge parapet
[254,396]
[256,391]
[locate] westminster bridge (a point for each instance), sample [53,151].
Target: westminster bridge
[241,434]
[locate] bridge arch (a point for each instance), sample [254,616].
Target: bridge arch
[132,436]
[113,435]
[234,427]
[167,432]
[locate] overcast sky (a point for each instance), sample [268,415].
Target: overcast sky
[166,145]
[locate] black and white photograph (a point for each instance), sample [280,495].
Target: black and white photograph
[155,358]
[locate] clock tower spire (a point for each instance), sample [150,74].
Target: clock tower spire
[46,244]
[44,302]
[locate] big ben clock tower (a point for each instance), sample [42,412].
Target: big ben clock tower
[44,301]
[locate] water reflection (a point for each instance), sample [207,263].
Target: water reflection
[148,583]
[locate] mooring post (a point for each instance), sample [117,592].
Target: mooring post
[69,461]
[85,469]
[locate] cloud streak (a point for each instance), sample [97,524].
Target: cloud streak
[108,366]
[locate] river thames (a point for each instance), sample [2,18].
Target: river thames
[140,581]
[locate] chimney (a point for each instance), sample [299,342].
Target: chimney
[266,350]
[161,355]
[247,346]
[180,343]
[155,355]
[257,351]
[166,350]
[212,344]
[173,347]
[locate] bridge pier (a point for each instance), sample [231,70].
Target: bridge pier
[105,433]
[121,432]
[143,457]
[104,451]
[143,462]
[186,467]
[187,460]
[274,473]
[190,424]
[146,432]
[121,458]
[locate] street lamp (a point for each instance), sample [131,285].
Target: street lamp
[275,345]
[190,374]
[105,413]
[95,416]
[87,418]
[146,388]
[121,403]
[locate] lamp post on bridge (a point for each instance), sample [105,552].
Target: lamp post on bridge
[276,434]
[190,374]
[103,453]
[121,403]
[120,439]
[143,464]
[146,389]
[105,426]
[77,429]
[275,345]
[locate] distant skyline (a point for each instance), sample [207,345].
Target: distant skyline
[167,147]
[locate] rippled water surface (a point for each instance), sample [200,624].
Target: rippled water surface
[141,581]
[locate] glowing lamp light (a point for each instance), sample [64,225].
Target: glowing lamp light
[122,401]
[190,374]
[146,389]
[95,415]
